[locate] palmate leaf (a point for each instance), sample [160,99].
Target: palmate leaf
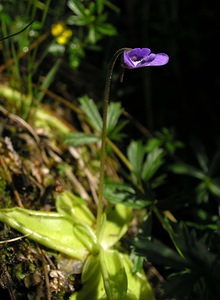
[76,7]
[117,133]
[78,20]
[114,112]
[90,109]
[153,162]
[117,192]
[144,165]
[135,154]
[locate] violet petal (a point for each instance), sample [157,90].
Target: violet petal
[142,57]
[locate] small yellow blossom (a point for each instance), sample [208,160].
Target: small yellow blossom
[57,29]
[61,33]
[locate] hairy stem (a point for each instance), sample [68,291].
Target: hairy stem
[103,138]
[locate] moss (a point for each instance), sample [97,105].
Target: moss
[5,199]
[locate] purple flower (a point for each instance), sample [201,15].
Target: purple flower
[142,57]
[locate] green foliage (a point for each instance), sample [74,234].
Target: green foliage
[187,251]
[92,17]
[144,163]
[21,45]
[117,192]
[208,184]
[186,266]
[5,199]
[114,128]
[89,107]
[106,272]
[197,270]
[157,252]
[153,162]
[81,138]
[85,24]
[166,139]
[94,119]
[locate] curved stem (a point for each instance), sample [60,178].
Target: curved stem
[119,154]
[103,138]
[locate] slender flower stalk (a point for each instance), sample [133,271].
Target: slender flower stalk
[103,138]
[132,58]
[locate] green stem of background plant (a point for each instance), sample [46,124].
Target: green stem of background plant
[168,229]
[103,139]
[119,154]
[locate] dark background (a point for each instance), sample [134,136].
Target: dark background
[184,94]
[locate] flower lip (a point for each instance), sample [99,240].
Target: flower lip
[142,57]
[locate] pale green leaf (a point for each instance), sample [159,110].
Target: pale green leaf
[114,112]
[152,163]
[136,153]
[113,274]
[77,20]
[80,138]
[76,7]
[92,283]
[116,225]
[49,229]
[90,109]
[111,271]
[48,79]
[72,206]
[106,29]
[138,286]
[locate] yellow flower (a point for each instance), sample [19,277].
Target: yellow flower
[64,37]
[61,33]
